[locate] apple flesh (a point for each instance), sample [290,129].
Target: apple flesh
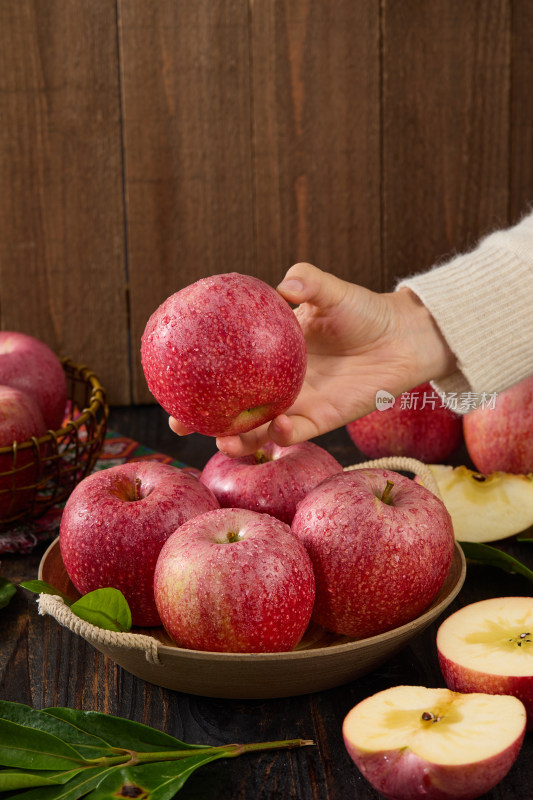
[500,439]
[379,560]
[412,742]
[30,365]
[429,432]
[115,523]
[20,420]
[224,354]
[485,508]
[234,580]
[273,480]
[488,647]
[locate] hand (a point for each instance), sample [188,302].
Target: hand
[358,341]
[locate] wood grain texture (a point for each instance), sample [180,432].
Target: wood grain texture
[43,664]
[446,84]
[316,117]
[188,179]
[61,211]
[521,111]
[145,145]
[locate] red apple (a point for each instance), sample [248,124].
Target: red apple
[234,580]
[20,419]
[411,742]
[224,354]
[381,547]
[272,480]
[31,366]
[488,647]
[500,437]
[415,425]
[115,523]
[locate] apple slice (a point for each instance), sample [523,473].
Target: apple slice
[411,742]
[488,647]
[485,508]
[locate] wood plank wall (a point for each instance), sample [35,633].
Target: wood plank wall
[146,144]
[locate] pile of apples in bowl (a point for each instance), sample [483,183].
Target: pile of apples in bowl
[274,574]
[53,420]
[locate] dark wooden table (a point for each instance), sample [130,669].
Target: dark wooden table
[42,664]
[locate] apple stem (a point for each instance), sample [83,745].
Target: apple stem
[138,495]
[385,497]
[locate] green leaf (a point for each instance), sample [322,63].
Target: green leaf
[43,766]
[155,781]
[82,783]
[485,554]
[107,608]
[42,587]
[18,779]
[120,731]
[29,748]
[87,745]
[7,590]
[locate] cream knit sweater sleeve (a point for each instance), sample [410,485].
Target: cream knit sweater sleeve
[483,304]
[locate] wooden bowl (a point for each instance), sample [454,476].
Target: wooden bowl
[321,661]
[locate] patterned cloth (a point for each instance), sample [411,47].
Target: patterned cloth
[117,450]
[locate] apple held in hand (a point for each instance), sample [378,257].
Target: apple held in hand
[115,523]
[420,428]
[488,647]
[485,508]
[273,480]
[411,742]
[31,366]
[500,438]
[381,547]
[20,419]
[224,354]
[234,580]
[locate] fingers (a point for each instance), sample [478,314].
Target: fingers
[304,283]
[178,428]
[283,430]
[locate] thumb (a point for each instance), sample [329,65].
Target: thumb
[304,283]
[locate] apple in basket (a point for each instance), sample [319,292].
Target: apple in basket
[488,647]
[224,354]
[272,480]
[500,438]
[412,742]
[234,580]
[20,420]
[381,547]
[30,365]
[415,425]
[115,523]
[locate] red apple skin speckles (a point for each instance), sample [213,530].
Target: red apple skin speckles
[224,354]
[20,419]
[253,595]
[272,481]
[377,566]
[501,438]
[109,538]
[30,365]
[430,434]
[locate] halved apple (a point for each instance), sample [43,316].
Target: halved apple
[488,647]
[485,508]
[412,742]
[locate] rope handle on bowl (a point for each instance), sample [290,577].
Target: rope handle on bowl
[56,608]
[403,464]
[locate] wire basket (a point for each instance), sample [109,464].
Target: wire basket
[41,472]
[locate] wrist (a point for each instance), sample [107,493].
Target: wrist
[431,355]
